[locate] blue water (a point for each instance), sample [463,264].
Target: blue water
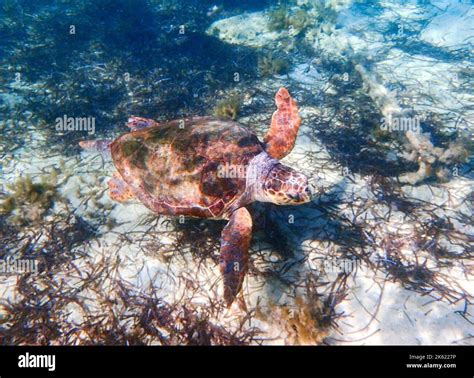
[384,90]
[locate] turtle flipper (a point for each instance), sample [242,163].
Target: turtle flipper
[118,189]
[233,261]
[281,136]
[138,123]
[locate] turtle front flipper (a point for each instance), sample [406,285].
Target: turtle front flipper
[138,123]
[281,136]
[118,189]
[233,261]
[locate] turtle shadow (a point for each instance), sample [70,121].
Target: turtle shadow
[288,232]
[279,235]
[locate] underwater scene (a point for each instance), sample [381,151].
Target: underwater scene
[223,172]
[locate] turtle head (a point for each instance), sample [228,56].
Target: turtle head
[285,186]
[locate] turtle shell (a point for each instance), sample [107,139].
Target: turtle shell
[177,167]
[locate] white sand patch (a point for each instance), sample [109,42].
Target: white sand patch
[453,28]
[305,74]
[405,11]
[428,84]
[382,313]
[250,29]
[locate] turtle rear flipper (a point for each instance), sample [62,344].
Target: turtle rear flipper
[233,260]
[118,189]
[138,123]
[281,136]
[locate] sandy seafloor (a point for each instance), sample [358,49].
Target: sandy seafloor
[371,304]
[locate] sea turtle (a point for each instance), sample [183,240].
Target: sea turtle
[209,168]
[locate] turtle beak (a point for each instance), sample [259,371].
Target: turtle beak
[302,197]
[305,196]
